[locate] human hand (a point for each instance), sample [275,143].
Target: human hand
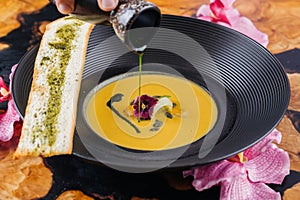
[67,6]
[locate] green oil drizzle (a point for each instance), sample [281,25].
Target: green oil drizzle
[140,83]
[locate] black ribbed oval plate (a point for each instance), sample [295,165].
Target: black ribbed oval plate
[248,83]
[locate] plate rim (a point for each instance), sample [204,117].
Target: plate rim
[188,165]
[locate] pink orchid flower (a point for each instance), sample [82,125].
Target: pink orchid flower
[10,116]
[246,178]
[223,13]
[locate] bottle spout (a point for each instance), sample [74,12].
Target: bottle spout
[135,23]
[145,25]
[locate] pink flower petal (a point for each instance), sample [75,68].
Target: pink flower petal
[271,166]
[13,142]
[258,148]
[12,71]
[7,121]
[205,18]
[242,189]
[10,123]
[4,91]
[227,3]
[203,11]
[245,26]
[210,175]
[219,12]
[3,85]
[232,14]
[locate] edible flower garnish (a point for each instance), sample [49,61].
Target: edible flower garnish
[222,12]
[244,176]
[10,118]
[147,104]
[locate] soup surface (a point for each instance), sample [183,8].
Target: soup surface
[108,111]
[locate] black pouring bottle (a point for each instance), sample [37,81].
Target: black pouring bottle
[134,21]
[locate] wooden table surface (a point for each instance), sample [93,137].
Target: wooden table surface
[277,18]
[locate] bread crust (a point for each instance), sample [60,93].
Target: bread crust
[37,138]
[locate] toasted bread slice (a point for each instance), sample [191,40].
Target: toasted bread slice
[50,116]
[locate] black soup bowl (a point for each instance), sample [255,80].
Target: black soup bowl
[247,82]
